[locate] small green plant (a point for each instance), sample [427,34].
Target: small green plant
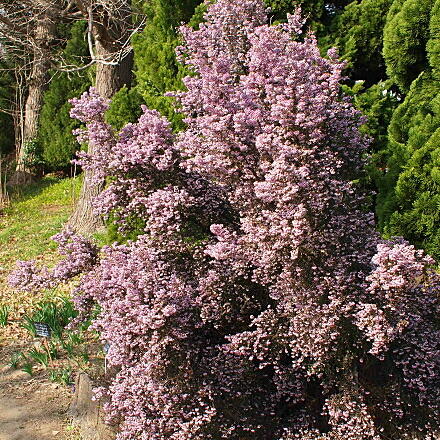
[61,375]
[68,346]
[16,358]
[27,368]
[41,357]
[56,314]
[52,350]
[84,356]
[32,157]
[4,315]
[75,338]
[70,342]
[28,324]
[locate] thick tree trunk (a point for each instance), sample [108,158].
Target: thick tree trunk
[44,34]
[109,79]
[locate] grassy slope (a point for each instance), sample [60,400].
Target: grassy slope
[37,212]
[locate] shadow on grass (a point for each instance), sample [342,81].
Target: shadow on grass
[22,193]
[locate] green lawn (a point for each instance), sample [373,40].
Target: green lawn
[37,212]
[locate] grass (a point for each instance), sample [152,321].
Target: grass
[37,212]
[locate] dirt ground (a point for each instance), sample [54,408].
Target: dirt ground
[31,407]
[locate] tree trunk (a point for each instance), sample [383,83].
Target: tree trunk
[44,34]
[109,79]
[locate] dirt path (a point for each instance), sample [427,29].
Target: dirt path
[31,408]
[20,421]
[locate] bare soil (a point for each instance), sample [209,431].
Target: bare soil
[31,407]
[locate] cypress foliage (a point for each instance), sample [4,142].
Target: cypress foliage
[318,14]
[405,36]
[156,68]
[125,107]
[409,191]
[55,136]
[409,200]
[312,9]
[358,33]
[433,46]
[393,57]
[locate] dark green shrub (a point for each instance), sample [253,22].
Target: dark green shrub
[58,145]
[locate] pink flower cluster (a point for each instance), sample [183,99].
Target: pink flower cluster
[80,255]
[258,302]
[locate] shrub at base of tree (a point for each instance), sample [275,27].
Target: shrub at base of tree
[259,303]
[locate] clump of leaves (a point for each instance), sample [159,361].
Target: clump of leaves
[28,368]
[55,313]
[4,315]
[62,376]
[16,358]
[40,357]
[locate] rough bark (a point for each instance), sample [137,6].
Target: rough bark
[110,77]
[43,36]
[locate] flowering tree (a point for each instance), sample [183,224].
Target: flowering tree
[258,302]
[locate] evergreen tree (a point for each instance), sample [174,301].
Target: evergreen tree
[409,197]
[156,68]
[409,192]
[405,37]
[125,107]
[318,14]
[358,34]
[433,46]
[56,141]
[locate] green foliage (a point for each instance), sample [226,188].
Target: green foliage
[319,14]
[55,135]
[402,110]
[16,358]
[433,46]
[28,324]
[377,103]
[358,33]
[311,9]
[32,155]
[56,314]
[409,199]
[28,368]
[198,15]
[70,342]
[125,107]
[405,37]
[62,376]
[157,70]
[4,315]
[40,357]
